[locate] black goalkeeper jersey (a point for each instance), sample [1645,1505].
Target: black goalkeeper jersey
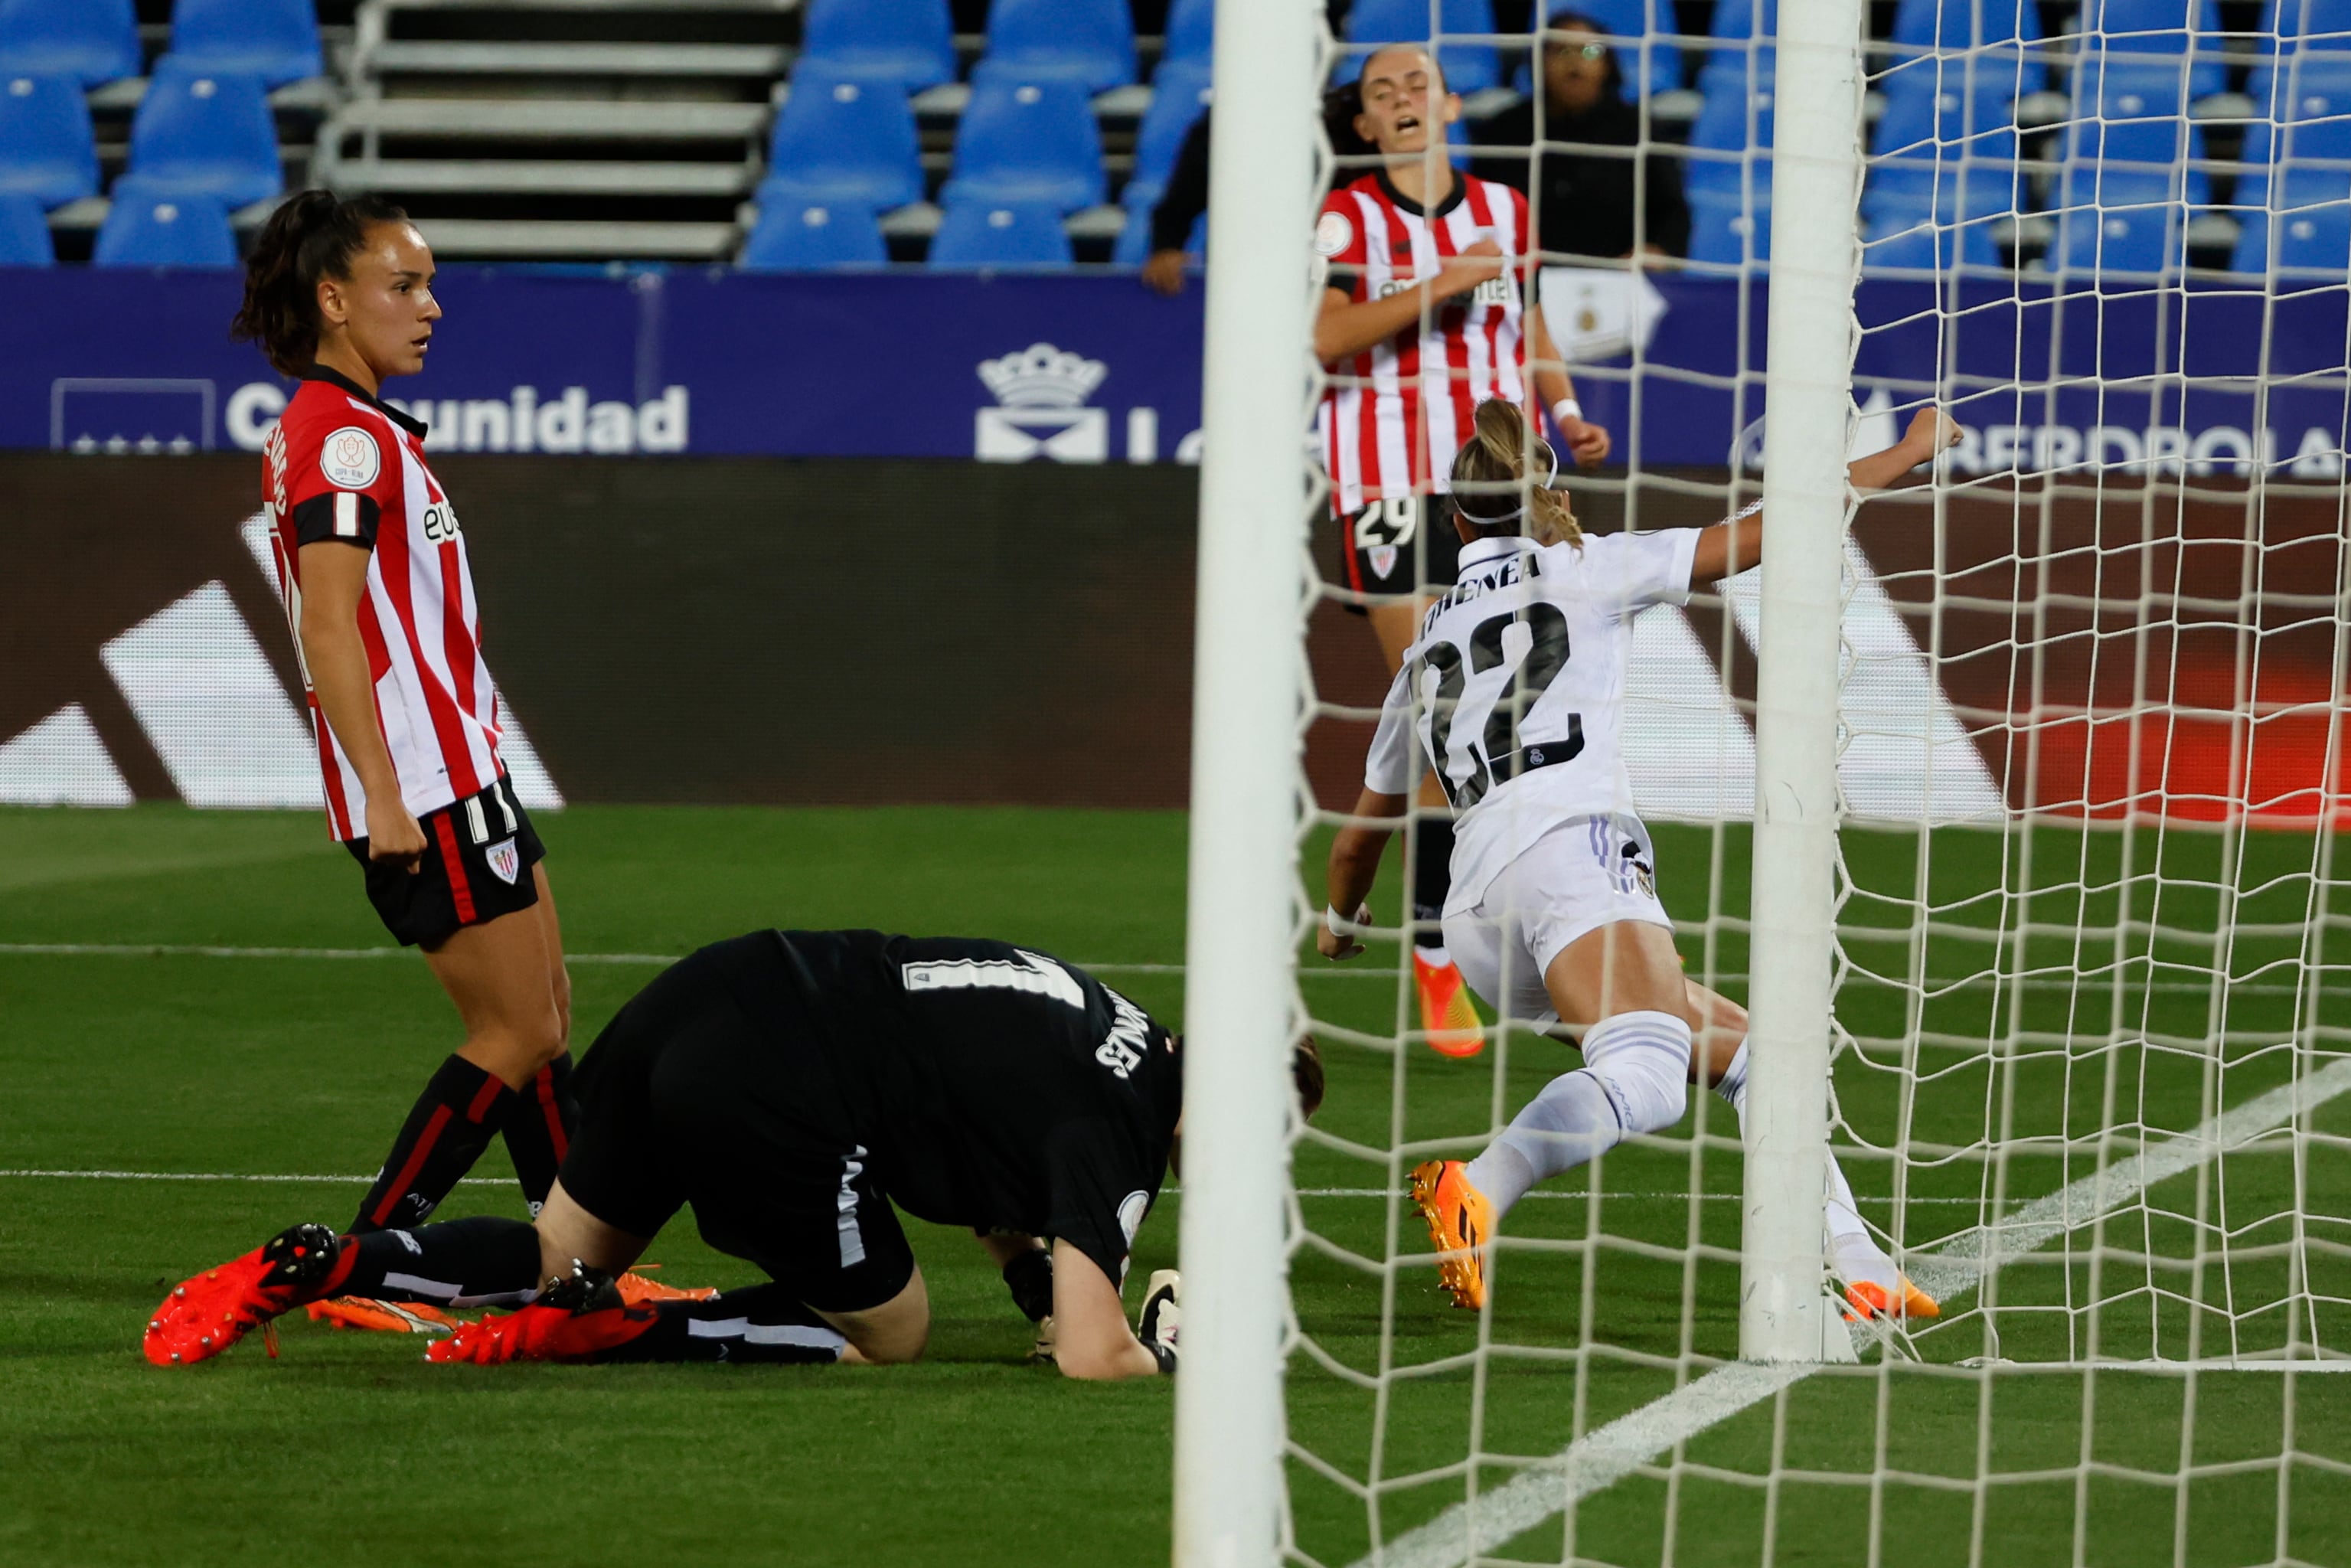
[996,1086]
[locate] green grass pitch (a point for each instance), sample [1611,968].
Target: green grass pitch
[350,1447]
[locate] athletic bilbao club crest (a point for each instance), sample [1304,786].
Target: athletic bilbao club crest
[505,861]
[1042,391]
[1384,560]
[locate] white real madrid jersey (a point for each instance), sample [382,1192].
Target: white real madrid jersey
[1516,690]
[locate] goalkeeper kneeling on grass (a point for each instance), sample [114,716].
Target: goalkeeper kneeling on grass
[1515,691]
[789,1085]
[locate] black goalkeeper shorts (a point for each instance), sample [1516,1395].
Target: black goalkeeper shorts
[708,1091]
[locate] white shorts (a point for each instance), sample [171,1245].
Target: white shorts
[1587,872]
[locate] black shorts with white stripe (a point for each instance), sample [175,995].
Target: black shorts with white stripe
[479,852]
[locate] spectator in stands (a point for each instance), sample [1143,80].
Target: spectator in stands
[1586,201]
[1187,197]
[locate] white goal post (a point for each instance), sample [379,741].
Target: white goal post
[1242,921]
[1784,1312]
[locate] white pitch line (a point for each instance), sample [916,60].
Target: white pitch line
[1602,1458]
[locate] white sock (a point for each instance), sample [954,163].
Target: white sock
[1854,1253]
[1569,1122]
[1634,1078]
[1433,954]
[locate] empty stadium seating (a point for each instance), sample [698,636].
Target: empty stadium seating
[2116,31]
[1726,231]
[792,236]
[843,140]
[2290,26]
[2127,239]
[909,42]
[2314,240]
[23,232]
[277,40]
[90,41]
[1904,241]
[2133,143]
[1731,123]
[1088,43]
[206,134]
[1024,142]
[988,234]
[1469,67]
[1191,33]
[47,151]
[1922,27]
[147,227]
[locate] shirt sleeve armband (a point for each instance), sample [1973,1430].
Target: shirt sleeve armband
[344,515]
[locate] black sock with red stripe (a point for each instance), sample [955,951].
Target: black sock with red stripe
[538,1127]
[482,1258]
[452,1123]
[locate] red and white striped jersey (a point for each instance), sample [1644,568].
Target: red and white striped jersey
[1396,413]
[341,466]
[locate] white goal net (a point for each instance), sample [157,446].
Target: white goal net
[2091,1075]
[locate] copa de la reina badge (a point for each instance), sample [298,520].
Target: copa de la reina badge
[350,458]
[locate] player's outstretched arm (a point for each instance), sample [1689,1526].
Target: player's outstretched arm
[1587,443]
[1729,549]
[1354,866]
[1094,1341]
[1347,326]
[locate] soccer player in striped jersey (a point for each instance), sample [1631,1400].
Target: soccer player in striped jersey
[789,1086]
[1425,315]
[1515,692]
[371,563]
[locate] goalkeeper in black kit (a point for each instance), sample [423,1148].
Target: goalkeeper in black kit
[789,1086]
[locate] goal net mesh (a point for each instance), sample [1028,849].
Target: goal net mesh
[2089,1053]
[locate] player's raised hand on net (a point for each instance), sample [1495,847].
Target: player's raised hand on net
[1339,940]
[1931,432]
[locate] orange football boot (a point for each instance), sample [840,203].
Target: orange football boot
[636,1290]
[576,1317]
[1460,1223]
[1446,1013]
[1866,1299]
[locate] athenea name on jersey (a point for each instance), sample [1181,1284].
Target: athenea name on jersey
[1515,690]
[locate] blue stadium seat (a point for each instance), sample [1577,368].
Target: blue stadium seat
[1179,95]
[2126,28]
[1089,42]
[277,40]
[1191,34]
[2287,26]
[986,234]
[1736,24]
[1023,142]
[23,232]
[2139,238]
[167,228]
[206,134]
[1939,156]
[90,41]
[2305,85]
[908,42]
[47,151]
[2310,159]
[2130,140]
[2313,240]
[1953,24]
[796,237]
[1723,125]
[842,141]
[1657,68]
[1912,240]
[1469,67]
[1724,231]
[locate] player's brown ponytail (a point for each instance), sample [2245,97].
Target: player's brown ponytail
[312,236]
[1502,477]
